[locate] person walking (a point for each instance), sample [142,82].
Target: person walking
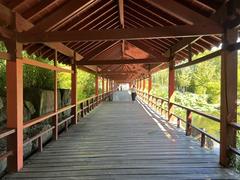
[133,93]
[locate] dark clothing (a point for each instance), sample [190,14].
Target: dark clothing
[134,96]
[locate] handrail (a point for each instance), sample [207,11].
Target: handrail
[83,111]
[187,121]
[5,155]
[6,132]
[197,112]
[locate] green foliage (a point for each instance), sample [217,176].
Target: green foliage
[160,83]
[85,84]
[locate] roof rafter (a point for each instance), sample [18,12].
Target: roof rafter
[61,15]
[181,12]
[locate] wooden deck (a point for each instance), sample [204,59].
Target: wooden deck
[120,140]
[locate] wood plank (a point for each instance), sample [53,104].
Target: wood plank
[121,34]
[6,16]
[120,140]
[123,61]
[180,11]
[69,9]
[229,75]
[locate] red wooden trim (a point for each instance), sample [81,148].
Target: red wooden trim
[171,88]
[228,97]
[44,65]
[74,92]
[15,113]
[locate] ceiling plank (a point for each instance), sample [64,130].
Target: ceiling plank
[121,34]
[104,47]
[145,48]
[123,61]
[61,15]
[186,41]
[180,11]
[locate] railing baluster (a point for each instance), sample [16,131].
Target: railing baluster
[203,139]
[178,123]
[189,123]
[40,144]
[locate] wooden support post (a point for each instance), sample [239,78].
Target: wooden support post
[140,84]
[144,83]
[228,96]
[203,139]
[55,118]
[171,87]
[96,85]
[178,122]
[74,90]
[149,86]
[82,109]
[40,144]
[14,80]
[103,85]
[107,85]
[189,123]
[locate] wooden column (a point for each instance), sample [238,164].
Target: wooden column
[149,83]
[140,84]
[171,87]
[144,81]
[74,90]
[14,78]
[149,87]
[96,85]
[55,118]
[103,85]
[107,85]
[228,96]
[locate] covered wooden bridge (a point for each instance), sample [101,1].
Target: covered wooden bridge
[122,41]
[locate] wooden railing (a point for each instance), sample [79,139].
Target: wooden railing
[4,134]
[85,106]
[157,103]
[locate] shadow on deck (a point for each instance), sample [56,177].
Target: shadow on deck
[123,140]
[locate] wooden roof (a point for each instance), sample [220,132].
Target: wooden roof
[72,15]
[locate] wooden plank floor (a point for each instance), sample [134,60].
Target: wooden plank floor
[120,140]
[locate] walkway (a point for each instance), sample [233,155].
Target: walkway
[120,140]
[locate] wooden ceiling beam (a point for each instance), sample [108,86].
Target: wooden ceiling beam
[121,18]
[120,34]
[37,9]
[145,48]
[186,41]
[61,15]
[180,11]
[104,47]
[123,61]
[6,16]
